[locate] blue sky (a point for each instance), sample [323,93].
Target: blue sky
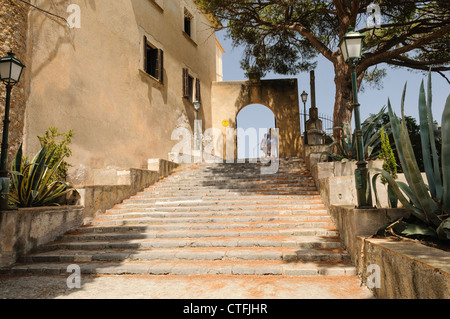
[371,100]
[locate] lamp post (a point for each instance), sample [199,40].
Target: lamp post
[351,49]
[304,96]
[10,73]
[197,106]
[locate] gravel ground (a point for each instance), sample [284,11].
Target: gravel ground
[184,287]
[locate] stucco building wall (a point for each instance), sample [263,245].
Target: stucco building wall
[91,79]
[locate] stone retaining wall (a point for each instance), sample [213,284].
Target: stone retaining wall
[24,229]
[113,186]
[407,269]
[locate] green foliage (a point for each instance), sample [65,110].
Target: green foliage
[374,78]
[347,148]
[428,203]
[414,135]
[287,36]
[31,182]
[387,154]
[59,142]
[389,165]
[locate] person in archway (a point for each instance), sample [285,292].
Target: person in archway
[272,142]
[264,145]
[269,143]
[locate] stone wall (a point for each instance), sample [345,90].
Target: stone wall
[24,229]
[406,268]
[13,36]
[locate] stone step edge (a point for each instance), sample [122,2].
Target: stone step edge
[241,232]
[188,268]
[211,223]
[232,199]
[102,238]
[155,243]
[287,254]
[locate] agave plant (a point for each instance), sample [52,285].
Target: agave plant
[429,203]
[347,148]
[31,184]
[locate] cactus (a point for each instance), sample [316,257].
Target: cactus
[32,184]
[429,203]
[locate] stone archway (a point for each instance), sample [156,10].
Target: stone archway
[253,117]
[281,96]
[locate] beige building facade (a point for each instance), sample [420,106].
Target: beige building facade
[124,75]
[123,78]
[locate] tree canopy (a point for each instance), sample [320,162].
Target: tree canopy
[285,36]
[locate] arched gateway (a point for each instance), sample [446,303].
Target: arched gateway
[281,96]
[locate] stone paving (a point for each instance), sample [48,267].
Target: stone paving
[184,287]
[216,221]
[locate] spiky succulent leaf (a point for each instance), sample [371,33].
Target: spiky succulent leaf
[445,156]
[443,231]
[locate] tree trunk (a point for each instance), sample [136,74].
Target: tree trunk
[343,106]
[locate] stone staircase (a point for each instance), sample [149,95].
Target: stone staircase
[217,219]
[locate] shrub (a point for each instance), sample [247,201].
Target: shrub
[389,165]
[59,142]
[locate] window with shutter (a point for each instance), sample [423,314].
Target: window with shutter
[188,85]
[185,83]
[188,22]
[153,61]
[197,90]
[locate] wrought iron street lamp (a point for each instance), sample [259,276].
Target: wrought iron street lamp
[304,97]
[351,49]
[10,72]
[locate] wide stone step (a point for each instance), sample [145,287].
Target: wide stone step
[288,254]
[154,231]
[153,221]
[211,233]
[222,202]
[158,213]
[309,238]
[209,191]
[195,182]
[192,268]
[249,181]
[253,219]
[226,198]
[234,187]
[217,207]
[180,225]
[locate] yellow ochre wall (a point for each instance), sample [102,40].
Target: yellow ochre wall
[90,79]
